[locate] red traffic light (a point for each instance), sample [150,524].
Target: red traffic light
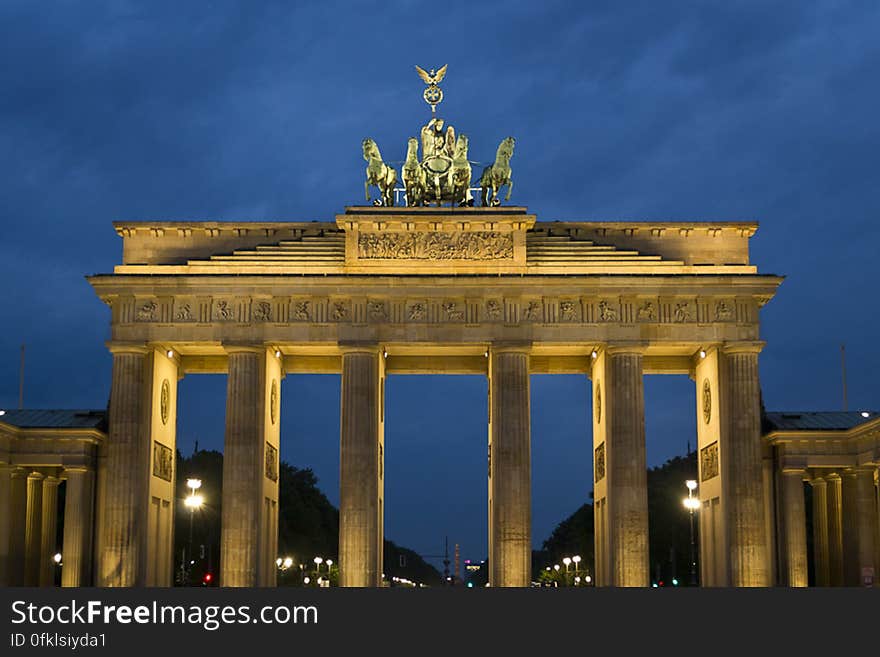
[207,578]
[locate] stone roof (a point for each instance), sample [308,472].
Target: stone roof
[817,420]
[55,419]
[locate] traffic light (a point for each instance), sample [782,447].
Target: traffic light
[207,578]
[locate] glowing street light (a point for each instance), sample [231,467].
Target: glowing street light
[692,503]
[192,502]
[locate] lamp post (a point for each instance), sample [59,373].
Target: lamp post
[692,503]
[192,502]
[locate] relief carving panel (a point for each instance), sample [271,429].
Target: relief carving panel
[435,246]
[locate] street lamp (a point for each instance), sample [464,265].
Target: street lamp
[692,504]
[318,562]
[567,562]
[192,502]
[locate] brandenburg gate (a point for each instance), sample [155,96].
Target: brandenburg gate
[436,286]
[474,290]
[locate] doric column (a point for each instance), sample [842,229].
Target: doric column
[75,551]
[859,530]
[17,525]
[123,541]
[361,454]
[48,531]
[510,483]
[821,564]
[249,535]
[620,467]
[33,529]
[5,521]
[741,464]
[835,530]
[795,528]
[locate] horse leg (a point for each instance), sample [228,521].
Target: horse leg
[509,188]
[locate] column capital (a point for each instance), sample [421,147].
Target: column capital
[35,475]
[817,482]
[76,468]
[626,348]
[51,480]
[502,347]
[117,347]
[355,347]
[243,347]
[18,472]
[745,347]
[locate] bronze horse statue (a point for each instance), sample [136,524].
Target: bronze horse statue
[379,174]
[413,174]
[497,175]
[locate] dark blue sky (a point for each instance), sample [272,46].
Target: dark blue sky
[256,110]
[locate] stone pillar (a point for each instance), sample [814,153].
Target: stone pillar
[34,524]
[620,464]
[123,539]
[835,530]
[5,521]
[49,531]
[859,530]
[821,565]
[361,452]
[249,535]
[78,514]
[795,528]
[17,525]
[510,559]
[741,465]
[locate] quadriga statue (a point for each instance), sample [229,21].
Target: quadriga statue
[379,174]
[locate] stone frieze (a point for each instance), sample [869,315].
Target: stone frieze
[435,246]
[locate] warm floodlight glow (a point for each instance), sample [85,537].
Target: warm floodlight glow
[57,557]
[329,563]
[556,567]
[288,562]
[594,355]
[691,484]
[702,353]
[2,412]
[277,354]
[318,561]
[576,558]
[864,414]
[194,501]
[194,484]
[567,561]
[279,561]
[588,579]
[169,353]
[691,503]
